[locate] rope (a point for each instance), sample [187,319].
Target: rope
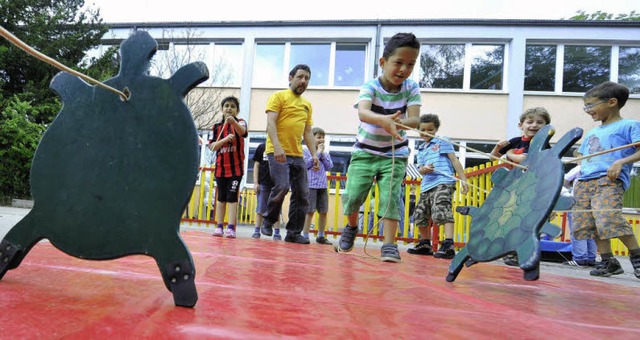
[602,152]
[23,46]
[465,147]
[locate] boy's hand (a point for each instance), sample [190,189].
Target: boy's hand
[464,185]
[320,148]
[389,124]
[426,169]
[501,144]
[614,170]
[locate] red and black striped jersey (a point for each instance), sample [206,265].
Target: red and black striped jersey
[230,157]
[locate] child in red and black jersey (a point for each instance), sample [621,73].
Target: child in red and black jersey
[228,144]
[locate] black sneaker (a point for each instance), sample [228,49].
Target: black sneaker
[323,240]
[347,238]
[390,253]
[511,260]
[422,248]
[607,268]
[296,238]
[266,230]
[635,262]
[446,251]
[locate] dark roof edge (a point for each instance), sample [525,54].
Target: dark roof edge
[388,22]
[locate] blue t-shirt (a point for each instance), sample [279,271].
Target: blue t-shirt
[435,153]
[607,137]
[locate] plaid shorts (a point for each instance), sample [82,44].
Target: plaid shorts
[435,204]
[599,194]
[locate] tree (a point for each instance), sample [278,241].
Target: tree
[62,30]
[599,15]
[176,51]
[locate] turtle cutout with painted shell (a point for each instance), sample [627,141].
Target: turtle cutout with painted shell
[111,177]
[517,209]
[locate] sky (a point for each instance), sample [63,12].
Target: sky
[115,11]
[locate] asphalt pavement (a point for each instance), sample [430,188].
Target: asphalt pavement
[9,216]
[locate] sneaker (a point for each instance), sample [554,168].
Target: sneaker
[296,238]
[347,238]
[230,233]
[277,237]
[256,234]
[635,262]
[422,248]
[266,230]
[390,253]
[446,251]
[607,268]
[323,240]
[580,263]
[511,260]
[218,232]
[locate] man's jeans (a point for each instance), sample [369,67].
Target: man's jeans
[292,174]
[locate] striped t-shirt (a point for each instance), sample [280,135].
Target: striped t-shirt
[373,138]
[230,157]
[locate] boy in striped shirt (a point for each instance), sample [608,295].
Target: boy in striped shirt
[318,195]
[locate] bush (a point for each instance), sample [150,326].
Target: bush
[19,138]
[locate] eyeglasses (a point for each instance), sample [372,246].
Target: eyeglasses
[588,107]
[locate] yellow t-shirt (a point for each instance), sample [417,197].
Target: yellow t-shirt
[294,114]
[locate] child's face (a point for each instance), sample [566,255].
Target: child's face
[319,138]
[598,109]
[531,125]
[229,108]
[429,128]
[398,67]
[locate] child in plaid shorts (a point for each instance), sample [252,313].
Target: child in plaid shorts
[605,178]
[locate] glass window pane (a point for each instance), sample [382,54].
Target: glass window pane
[169,58]
[226,69]
[442,66]
[487,67]
[268,66]
[349,70]
[585,67]
[629,68]
[540,68]
[314,55]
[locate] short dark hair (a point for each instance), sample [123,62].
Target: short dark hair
[230,98]
[317,130]
[430,118]
[608,90]
[303,67]
[536,111]
[400,40]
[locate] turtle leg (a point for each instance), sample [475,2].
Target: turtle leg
[177,269]
[529,259]
[17,243]
[532,274]
[457,263]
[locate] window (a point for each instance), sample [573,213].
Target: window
[540,68]
[629,68]
[331,63]
[268,66]
[442,66]
[487,67]
[316,56]
[585,67]
[171,57]
[349,69]
[226,69]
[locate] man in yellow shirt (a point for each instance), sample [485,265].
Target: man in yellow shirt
[289,118]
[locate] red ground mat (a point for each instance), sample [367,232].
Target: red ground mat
[259,289]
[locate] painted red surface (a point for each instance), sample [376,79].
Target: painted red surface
[259,289]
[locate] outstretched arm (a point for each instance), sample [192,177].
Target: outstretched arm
[460,171]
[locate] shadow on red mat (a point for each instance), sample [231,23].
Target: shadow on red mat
[259,289]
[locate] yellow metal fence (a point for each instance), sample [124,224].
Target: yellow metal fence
[201,208]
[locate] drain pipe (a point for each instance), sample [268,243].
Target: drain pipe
[377,50]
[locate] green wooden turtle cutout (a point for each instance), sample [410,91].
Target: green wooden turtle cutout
[517,209]
[110,177]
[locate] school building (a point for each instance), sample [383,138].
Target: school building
[477,75]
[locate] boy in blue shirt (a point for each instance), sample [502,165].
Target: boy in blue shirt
[604,178]
[438,164]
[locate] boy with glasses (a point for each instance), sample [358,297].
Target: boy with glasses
[603,179]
